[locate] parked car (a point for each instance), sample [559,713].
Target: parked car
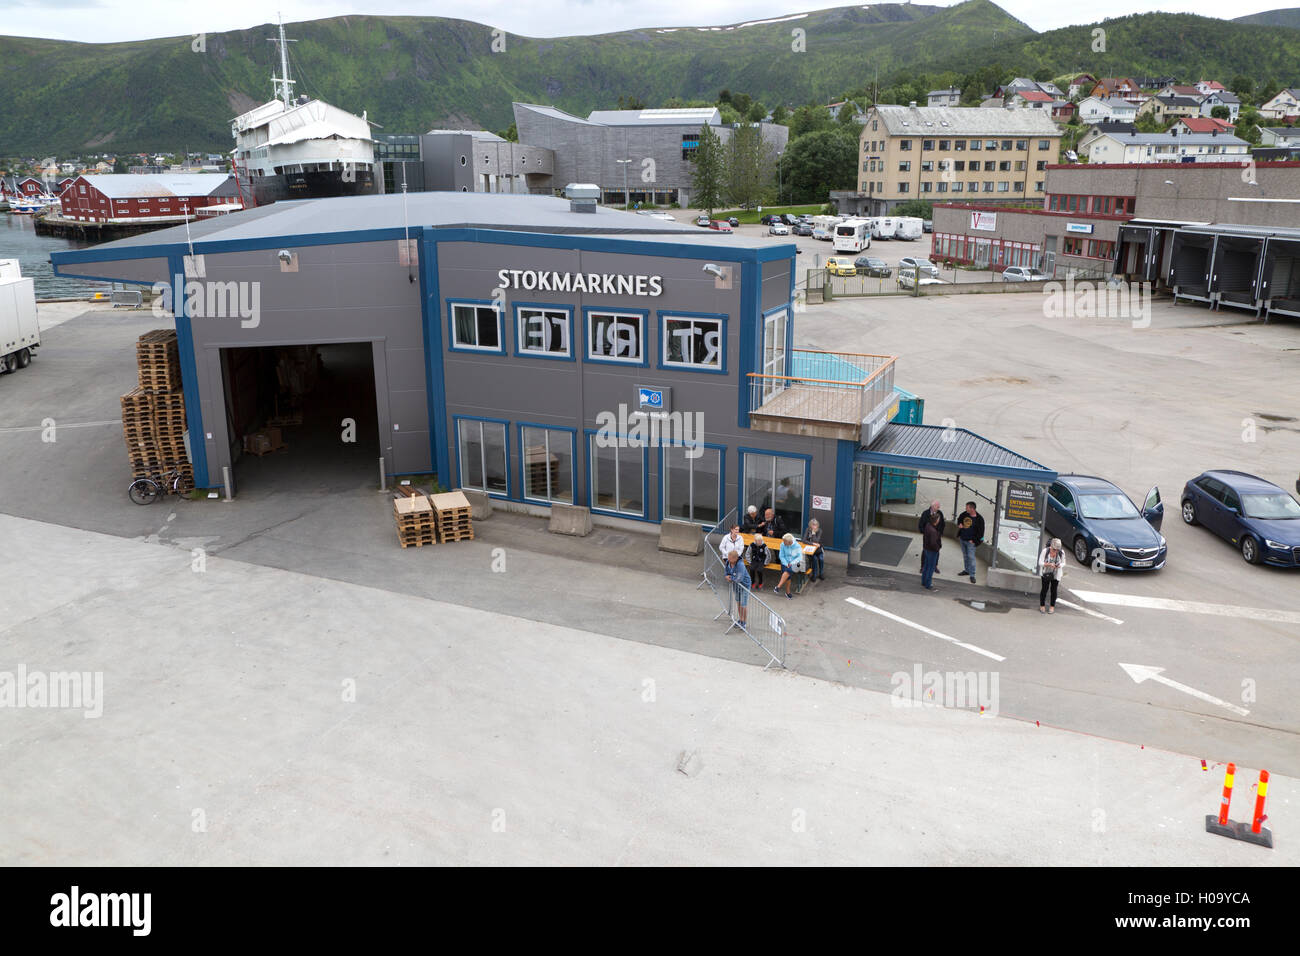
[927,225]
[720,225]
[767,219]
[735,223]
[802,229]
[907,279]
[778,229]
[1255,515]
[1096,520]
[871,266]
[788,219]
[921,264]
[840,266]
[703,221]
[1023,274]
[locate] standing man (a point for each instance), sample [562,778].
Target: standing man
[739,579]
[931,543]
[924,522]
[976,537]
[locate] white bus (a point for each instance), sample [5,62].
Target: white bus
[908,227]
[853,235]
[882,227]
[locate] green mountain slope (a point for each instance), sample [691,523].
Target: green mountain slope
[415,73]
[1274,18]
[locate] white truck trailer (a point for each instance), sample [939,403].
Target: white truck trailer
[908,227]
[20,336]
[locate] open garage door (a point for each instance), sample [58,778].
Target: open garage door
[1133,253]
[1233,280]
[1280,277]
[301,417]
[1189,271]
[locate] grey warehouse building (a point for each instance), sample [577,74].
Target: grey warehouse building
[648,152]
[536,350]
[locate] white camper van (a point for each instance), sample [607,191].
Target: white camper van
[882,227]
[853,235]
[20,336]
[824,227]
[908,227]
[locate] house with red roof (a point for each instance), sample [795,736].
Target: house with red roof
[1201,124]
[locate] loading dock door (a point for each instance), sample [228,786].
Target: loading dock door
[1280,276]
[1190,266]
[1134,253]
[1237,261]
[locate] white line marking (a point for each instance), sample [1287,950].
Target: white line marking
[923,629]
[1191,607]
[1141,672]
[1088,610]
[37,428]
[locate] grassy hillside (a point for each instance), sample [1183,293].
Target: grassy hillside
[415,73]
[1274,18]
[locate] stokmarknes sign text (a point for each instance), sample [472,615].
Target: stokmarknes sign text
[591,282]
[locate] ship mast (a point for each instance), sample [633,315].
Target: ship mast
[281,84]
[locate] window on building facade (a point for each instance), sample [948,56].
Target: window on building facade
[945,145]
[943,186]
[956,187]
[1044,144]
[1038,186]
[547,463]
[866,166]
[926,187]
[773,482]
[616,337]
[692,342]
[1004,186]
[543,332]
[476,327]
[692,483]
[905,166]
[1020,165]
[927,145]
[927,166]
[1006,145]
[1022,144]
[990,144]
[988,186]
[1005,166]
[903,187]
[904,144]
[617,477]
[483,457]
[690,143]
[1040,165]
[990,166]
[959,165]
[959,145]
[1018,186]
[975,144]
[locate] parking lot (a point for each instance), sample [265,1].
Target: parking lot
[211,669]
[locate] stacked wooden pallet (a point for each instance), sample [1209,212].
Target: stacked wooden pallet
[153,413]
[454,520]
[415,521]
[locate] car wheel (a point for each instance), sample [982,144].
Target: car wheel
[6,363]
[1189,512]
[1250,550]
[1081,553]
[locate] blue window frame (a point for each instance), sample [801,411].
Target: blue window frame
[544,331]
[617,336]
[777,480]
[474,325]
[618,475]
[547,454]
[692,480]
[693,341]
[483,455]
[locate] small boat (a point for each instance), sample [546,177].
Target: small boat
[31,205]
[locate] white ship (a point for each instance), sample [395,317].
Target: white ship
[300,149]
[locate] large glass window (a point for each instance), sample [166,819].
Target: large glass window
[483,459]
[777,483]
[774,334]
[476,327]
[692,342]
[543,332]
[692,481]
[617,478]
[616,337]
[548,463]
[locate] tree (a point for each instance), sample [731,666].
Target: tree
[809,119]
[814,164]
[918,208]
[1147,123]
[779,113]
[709,174]
[757,112]
[1244,87]
[749,166]
[1220,112]
[510,134]
[847,113]
[729,114]
[119,166]
[1248,125]
[630,102]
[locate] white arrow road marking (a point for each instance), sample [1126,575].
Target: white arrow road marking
[1141,672]
[923,629]
[1191,607]
[1088,610]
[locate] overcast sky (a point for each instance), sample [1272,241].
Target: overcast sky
[109,20]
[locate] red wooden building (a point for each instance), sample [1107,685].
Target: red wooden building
[123,197]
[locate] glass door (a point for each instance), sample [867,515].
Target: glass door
[774,358]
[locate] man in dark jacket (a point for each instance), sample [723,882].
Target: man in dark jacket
[773,525]
[977,521]
[923,522]
[932,541]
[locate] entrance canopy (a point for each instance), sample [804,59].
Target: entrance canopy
[954,450]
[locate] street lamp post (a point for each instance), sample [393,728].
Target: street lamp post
[627,199]
[778,179]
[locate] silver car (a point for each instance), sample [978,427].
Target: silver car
[919,264]
[1023,274]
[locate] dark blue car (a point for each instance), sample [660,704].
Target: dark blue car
[1255,515]
[1097,521]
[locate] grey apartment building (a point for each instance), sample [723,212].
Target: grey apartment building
[645,154]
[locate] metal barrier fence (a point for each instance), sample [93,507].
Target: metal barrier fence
[743,608]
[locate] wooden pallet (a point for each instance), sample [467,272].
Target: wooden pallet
[416,542]
[448,537]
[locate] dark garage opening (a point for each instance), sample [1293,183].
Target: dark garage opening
[1236,264]
[306,392]
[1282,276]
[1189,274]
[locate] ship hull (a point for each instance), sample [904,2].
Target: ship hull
[312,185]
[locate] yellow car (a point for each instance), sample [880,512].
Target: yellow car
[838,266]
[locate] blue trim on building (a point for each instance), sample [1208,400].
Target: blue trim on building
[807,482]
[468,350]
[523,461]
[645,335]
[589,433]
[523,353]
[661,320]
[435,377]
[722,480]
[751,281]
[189,376]
[455,437]
[842,531]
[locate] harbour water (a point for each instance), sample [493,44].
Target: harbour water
[18,240]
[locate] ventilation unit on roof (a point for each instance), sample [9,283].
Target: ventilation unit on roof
[582,196]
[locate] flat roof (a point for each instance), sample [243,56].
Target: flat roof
[952,450]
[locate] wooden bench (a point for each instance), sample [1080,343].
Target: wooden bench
[798,581]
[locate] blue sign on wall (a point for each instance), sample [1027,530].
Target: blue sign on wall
[650,398]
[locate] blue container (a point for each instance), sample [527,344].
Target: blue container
[899,484]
